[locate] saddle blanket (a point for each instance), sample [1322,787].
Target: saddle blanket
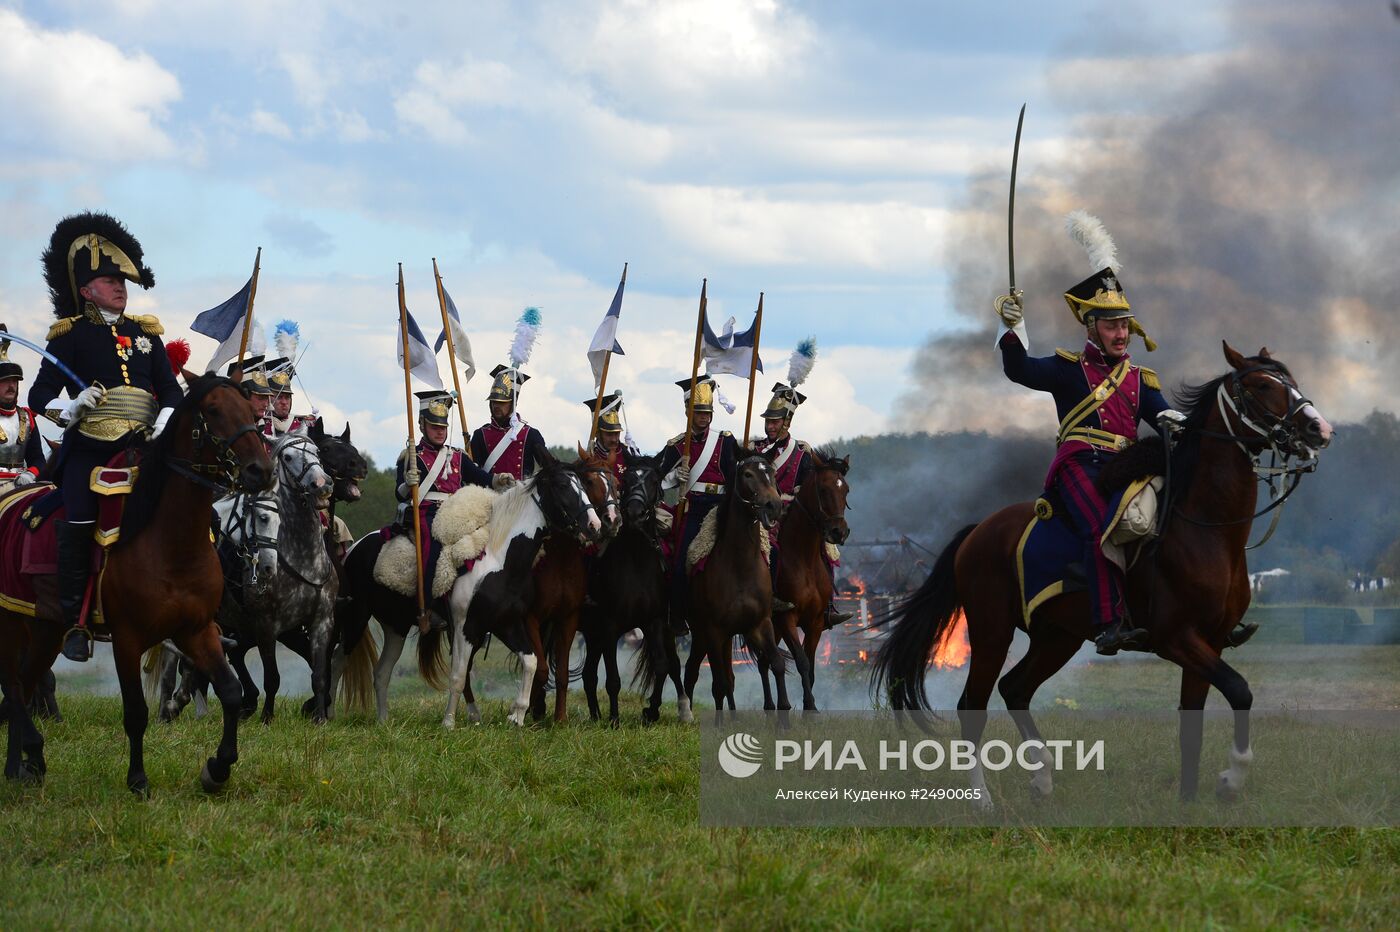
[29,542]
[1050,555]
[704,543]
[462,526]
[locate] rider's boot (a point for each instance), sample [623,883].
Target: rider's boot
[834,618]
[1242,632]
[1120,635]
[74,568]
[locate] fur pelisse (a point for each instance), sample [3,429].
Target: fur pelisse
[527,329]
[802,360]
[1088,231]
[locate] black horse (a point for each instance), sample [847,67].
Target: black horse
[627,590]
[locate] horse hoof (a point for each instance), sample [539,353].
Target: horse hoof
[207,781]
[1039,792]
[140,788]
[473,714]
[26,774]
[245,714]
[1225,789]
[614,723]
[651,716]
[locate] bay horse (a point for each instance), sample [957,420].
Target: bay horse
[162,579]
[1189,591]
[628,590]
[494,597]
[815,517]
[732,594]
[561,584]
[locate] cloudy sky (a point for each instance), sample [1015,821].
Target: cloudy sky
[822,153]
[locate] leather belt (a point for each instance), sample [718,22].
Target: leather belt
[1100,439]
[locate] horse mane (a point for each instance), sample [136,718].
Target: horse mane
[508,508]
[140,508]
[830,459]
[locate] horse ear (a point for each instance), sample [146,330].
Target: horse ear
[1233,357]
[579,447]
[1264,353]
[190,376]
[846,464]
[346,436]
[317,430]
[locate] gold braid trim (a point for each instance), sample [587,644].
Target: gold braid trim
[1066,354]
[1150,378]
[62,326]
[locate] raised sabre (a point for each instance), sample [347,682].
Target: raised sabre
[1011,205]
[7,335]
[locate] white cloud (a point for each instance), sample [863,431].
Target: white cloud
[62,91]
[751,227]
[269,124]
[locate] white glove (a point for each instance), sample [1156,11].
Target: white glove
[502,481]
[1171,420]
[1008,308]
[87,399]
[161,418]
[25,478]
[411,475]
[683,476]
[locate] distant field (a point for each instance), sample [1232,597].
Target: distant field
[581,826]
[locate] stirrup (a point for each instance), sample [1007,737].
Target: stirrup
[1118,637]
[834,618]
[1241,633]
[77,649]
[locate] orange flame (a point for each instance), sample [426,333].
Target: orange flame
[855,586]
[953,650]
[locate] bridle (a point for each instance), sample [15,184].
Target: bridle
[610,500]
[221,475]
[243,517]
[1275,434]
[764,467]
[640,492]
[555,512]
[823,522]
[311,459]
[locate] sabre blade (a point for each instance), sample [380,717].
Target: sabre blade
[1011,205]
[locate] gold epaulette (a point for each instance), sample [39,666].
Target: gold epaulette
[62,326]
[676,439]
[725,433]
[1066,354]
[149,325]
[1149,378]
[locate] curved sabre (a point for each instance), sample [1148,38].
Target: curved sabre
[1011,205]
[62,367]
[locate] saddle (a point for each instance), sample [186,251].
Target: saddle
[704,543]
[29,542]
[461,525]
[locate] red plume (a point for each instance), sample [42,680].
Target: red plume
[178,352]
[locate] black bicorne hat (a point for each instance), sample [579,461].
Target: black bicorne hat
[87,246]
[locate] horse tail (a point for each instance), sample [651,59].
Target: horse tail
[784,659]
[919,622]
[152,666]
[357,679]
[432,659]
[653,660]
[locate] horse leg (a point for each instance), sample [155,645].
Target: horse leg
[238,657]
[206,652]
[799,660]
[1191,708]
[768,647]
[614,680]
[460,659]
[272,677]
[563,646]
[540,677]
[529,664]
[1202,665]
[384,671]
[591,655]
[1051,648]
[473,713]
[126,651]
[673,665]
[321,667]
[761,661]
[719,675]
[698,649]
[166,695]
[21,730]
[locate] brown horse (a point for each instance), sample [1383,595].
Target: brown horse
[162,579]
[1188,591]
[732,594]
[561,582]
[815,517]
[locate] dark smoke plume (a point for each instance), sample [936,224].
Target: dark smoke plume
[1258,201]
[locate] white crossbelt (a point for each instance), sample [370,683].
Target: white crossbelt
[431,479]
[503,444]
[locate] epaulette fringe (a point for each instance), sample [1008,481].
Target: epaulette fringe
[61,327]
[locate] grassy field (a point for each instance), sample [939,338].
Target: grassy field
[351,824]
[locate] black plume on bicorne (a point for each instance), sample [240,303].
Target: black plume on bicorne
[55,259]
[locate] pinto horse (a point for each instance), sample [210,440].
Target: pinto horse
[732,594]
[561,583]
[1189,591]
[162,578]
[628,589]
[816,517]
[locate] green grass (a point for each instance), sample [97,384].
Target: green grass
[352,824]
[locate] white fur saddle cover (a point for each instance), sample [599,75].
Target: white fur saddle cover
[462,526]
[704,542]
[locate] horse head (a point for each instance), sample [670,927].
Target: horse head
[756,486]
[345,465]
[260,526]
[1269,406]
[564,502]
[829,490]
[225,412]
[641,490]
[298,464]
[600,484]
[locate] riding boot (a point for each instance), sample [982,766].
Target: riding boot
[74,568]
[782,605]
[834,618]
[1119,636]
[1243,632]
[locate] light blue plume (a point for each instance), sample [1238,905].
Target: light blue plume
[802,360]
[286,337]
[526,330]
